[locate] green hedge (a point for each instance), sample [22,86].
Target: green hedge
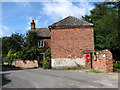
[46,64]
[26,53]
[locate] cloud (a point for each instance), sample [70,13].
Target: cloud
[65,8]
[4,30]
[1,33]
[29,19]
[37,21]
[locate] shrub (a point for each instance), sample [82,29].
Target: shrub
[114,60]
[17,55]
[40,63]
[47,62]
[29,53]
[26,54]
[8,59]
[10,53]
[48,53]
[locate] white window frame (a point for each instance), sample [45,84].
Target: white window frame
[39,45]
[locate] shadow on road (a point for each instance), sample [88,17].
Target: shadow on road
[10,68]
[5,80]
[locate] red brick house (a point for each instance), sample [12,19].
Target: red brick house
[45,37]
[71,40]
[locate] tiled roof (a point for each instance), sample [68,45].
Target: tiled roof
[70,21]
[43,32]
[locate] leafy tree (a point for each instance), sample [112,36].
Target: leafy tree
[30,51]
[27,53]
[14,42]
[105,17]
[19,47]
[32,38]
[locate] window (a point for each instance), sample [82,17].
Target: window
[41,44]
[42,56]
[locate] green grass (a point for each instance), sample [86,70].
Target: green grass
[87,70]
[27,68]
[94,71]
[69,68]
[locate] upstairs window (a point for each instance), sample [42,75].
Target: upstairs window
[41,44]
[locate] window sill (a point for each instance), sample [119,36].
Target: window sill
[40,47]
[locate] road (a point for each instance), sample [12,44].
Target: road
[40,78]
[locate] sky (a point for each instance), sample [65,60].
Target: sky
[17,16]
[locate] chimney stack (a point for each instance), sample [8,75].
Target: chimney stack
[32,25]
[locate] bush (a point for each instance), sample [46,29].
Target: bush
[48,53]
[8,59]
[29,53]
[47,62]
[17,55]
[114,60]
[40,63]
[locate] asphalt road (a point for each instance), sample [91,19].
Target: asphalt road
[40,78]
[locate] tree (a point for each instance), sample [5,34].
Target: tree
[105,17]
[14,42]
[32,38]
[30,51]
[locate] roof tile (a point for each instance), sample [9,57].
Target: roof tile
[43,32]
[70,21]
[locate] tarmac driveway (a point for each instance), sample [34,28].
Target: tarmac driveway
[40,78]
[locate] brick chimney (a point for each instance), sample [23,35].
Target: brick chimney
[32,25]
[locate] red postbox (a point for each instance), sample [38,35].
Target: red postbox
[87,58]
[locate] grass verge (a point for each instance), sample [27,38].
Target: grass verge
[95,71]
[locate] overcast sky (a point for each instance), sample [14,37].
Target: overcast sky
[16,16]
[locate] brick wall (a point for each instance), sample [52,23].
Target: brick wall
[71,42]
[103,61]
[47,43]
[26,64]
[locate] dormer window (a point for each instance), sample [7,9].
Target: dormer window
[41,44]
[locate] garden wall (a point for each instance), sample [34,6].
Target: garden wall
[68,62]
[26,63]
[103,61]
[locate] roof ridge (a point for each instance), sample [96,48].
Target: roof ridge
[61,20]
[71,21]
